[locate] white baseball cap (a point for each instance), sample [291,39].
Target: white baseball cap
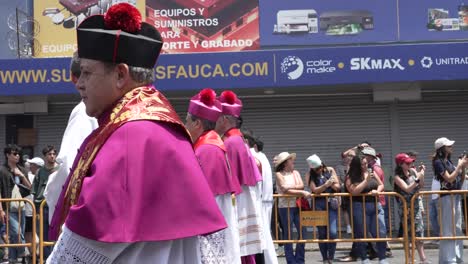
[314,161]
[36,160]
[442,142]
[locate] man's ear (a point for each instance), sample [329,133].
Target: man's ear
[74,78]
[198,122]
[123,75]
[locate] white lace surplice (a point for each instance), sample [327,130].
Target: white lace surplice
[74,249]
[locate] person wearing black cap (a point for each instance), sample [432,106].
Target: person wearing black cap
[129,171]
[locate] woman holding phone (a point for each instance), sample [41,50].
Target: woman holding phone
[360,180]
[451,177]
[323,179]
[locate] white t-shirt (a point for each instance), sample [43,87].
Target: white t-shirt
[27,207]
[435,187]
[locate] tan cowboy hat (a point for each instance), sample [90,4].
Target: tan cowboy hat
[284,156]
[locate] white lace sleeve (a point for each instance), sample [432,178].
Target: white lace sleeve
[74,249]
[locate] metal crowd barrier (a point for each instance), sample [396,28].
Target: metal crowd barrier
[32,244]
[42,243]
[315,218]
[427,234]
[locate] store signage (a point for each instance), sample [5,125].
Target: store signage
[194,26]
[323,22]
[433,20]
[268,68]
[186,26]
[53,29]
[366,64]
[205,26]
[306,22]
[369,63]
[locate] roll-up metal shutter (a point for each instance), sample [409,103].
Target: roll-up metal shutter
[2,131]
[439,115]
[51,126]
[324,125]
[181,106]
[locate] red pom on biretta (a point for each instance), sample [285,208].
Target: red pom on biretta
[205,105]
[207,96]
[124,17]
[229,97]
[119,36]
[231,103]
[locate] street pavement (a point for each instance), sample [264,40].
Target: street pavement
[313,257]
[313,254]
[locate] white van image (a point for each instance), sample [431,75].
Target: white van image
[296,21]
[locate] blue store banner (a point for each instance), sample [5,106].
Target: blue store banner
[268,68]
[375,64]
[173,72]
[313,22]
[433,20]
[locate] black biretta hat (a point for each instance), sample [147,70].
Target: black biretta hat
[119,36]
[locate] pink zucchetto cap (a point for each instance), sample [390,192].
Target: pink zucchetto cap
[231,104]
[205,105]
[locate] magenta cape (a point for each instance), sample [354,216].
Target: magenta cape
[215,167]
[240,160]
[145,184]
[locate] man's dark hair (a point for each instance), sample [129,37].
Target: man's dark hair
[248,134]
[11,148]
[239,122]
[259,144]
[206,124]
[75,65]
[48,149]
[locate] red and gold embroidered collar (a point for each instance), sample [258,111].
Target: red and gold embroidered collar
[210,137]
[143,103]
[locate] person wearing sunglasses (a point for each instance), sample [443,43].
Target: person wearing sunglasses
[11,173]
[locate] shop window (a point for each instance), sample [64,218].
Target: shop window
[20,130]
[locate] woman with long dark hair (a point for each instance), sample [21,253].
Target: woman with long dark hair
[408,182]
[362,181]
[451,178]
[323,179]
